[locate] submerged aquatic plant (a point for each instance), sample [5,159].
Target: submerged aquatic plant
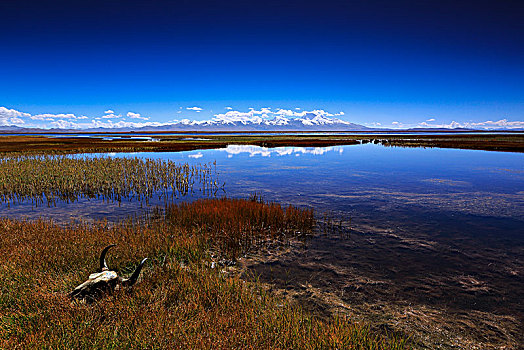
[52,178]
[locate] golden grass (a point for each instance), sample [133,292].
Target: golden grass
[180,303]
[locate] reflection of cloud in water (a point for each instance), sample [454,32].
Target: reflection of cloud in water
[195,156]
[278,151]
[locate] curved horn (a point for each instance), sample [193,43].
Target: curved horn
[103,265]
[134,277]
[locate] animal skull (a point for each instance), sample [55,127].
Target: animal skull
[104,281]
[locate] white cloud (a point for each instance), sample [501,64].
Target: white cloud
[486,125]
[12,116]
[238,117]
[12,113]
[109,111]
[111,116]
[229,108]
[63,124]
[99,123]
[290,113]
[49,116]
[503,123]
[431,120]
[122,124]
[196,109]
[136,116]
[16,120]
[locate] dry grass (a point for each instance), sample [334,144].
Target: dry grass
[180,303]
[233,226]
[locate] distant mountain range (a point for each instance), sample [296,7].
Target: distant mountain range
[241,122]
[308,122]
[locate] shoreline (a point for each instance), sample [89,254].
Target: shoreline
[513,142]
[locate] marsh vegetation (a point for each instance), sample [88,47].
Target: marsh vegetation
[181,302]
[186,299]
[381,277]
[52,178]
[234,226]
[176,142]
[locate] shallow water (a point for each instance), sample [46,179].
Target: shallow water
[355,179]
[436,236]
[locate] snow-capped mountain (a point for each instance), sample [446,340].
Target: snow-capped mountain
[264,119]
[235,121]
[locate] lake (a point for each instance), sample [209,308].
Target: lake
[427,239]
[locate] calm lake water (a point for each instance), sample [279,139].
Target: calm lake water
[351,180]
[436,232]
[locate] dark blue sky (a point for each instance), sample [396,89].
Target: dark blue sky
[377,61]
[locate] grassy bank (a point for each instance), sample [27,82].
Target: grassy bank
[50,145]
[509,142]
[181,301]
[486,142]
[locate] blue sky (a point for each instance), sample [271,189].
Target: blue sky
[379,62]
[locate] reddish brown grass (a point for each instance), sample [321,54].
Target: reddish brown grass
[235,225]
[179,303]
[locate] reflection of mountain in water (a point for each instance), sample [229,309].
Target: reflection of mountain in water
[278,151]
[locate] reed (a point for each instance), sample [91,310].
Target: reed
[180,303]
[52,178]
[234,226]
